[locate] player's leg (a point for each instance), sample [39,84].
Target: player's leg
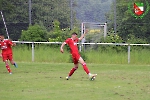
[75,61]
[79,59]
[13,63]
[10,57]
[0,55]
[82,62]
[6,63]
[72,71]
[7,66]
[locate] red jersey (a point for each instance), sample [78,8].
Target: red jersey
[72,44]
[5,46]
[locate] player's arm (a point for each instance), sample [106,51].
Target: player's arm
[14,44]
[61,48]
[11,43]
[82,36]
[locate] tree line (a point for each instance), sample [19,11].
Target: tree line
[130,27]
[51,19]
[43,13]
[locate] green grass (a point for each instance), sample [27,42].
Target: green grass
[107,57]
[46,81]
[42,53]
[136,57]
[47,53]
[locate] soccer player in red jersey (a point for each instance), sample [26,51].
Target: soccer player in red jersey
[7,54]
[72,43]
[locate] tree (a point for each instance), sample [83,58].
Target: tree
[92,10]
[35,33]
[45,11]
[50,10]
[5,6]
[58,34]
[129,26]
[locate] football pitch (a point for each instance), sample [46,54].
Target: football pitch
[46,81]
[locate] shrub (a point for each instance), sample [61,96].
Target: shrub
[34,33]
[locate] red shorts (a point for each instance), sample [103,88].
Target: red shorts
[7,57]
[75,57]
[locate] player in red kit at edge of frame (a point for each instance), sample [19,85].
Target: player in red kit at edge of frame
[72,43]
[7,54]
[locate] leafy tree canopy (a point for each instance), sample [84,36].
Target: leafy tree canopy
[129,26]
[34,33]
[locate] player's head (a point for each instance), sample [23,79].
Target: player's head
[74,35]
[1,37]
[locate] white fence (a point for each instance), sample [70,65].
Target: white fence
[121,44]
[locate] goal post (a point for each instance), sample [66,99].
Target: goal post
[96,32]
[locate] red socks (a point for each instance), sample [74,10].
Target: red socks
[72,70]
[75,68]
[8,68]
[85,68]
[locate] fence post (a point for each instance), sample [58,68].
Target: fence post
[32,51]
[105,30]
[128,53]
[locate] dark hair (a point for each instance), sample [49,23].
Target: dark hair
[74,33]
[1,34]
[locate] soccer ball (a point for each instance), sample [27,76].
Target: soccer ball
[92,78]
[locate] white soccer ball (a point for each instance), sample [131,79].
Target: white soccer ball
[93,78]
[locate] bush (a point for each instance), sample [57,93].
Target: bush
[34,33]
[59,35]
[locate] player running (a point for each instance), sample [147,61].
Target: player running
[72,43]
[7,54]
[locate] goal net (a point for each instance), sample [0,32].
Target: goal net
[97,31]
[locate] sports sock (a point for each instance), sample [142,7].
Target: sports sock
[72,71]
[8,68]
[85,68]
[89,74]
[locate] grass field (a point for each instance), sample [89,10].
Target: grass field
[46,81]
[46,53]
